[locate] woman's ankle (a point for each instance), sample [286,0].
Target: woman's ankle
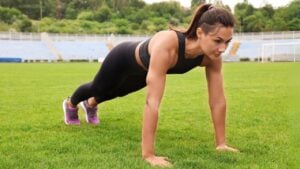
[92,103]
[70,105]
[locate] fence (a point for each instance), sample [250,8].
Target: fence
[268,35]
[120,38]
[72,37]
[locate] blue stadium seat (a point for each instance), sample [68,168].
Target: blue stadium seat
[74,50]
[26,50]
[38,50]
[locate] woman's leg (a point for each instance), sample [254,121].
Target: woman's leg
[118,65]
[92,102]
[130,84]
[108,76]
[83,92]
[116,68]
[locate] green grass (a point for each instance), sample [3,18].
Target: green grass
[259,122]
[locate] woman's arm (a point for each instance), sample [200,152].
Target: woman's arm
[155,88]
[217,103]
[156,77]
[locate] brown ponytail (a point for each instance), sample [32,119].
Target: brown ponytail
[208,18]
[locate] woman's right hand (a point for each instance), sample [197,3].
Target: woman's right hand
[226,148]
[158,161]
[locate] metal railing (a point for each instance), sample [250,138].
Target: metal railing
[120,38]
[268,35]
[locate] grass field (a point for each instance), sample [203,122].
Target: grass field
[260,121]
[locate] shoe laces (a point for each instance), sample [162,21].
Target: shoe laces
[73,113]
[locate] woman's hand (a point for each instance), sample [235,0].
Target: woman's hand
[226,148]
[158,161]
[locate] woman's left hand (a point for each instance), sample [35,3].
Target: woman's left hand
[226,148]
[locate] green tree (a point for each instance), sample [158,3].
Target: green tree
[123,26]
[160,23]
[255,22]
[279,24]
[134,16]
[167,10]
[267,10]
[9,15]
[73,7]
[138,4]
[103,14]
[24,25]
[294,25]
[195,3]
[286,18]
[70,12]
[34,9]
[292,11]
[15,19]
[86,15]
[117,5]
[241,11]
[138,17]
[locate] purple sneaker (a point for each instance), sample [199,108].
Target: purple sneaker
[71,114]
[91,113]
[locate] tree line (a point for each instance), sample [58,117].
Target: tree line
[133,16]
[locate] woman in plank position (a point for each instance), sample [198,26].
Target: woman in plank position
[131,66]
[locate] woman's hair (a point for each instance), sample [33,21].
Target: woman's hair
[209,17]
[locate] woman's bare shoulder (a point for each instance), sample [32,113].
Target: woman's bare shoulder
[167,38]
[163,46]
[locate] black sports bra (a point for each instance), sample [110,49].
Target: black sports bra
[183,65]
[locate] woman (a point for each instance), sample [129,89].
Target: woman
[131,66]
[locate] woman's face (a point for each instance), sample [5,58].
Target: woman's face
[215,42]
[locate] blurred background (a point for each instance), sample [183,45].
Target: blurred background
[85,30]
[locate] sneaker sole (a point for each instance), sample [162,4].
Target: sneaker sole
[65,113]
[84,109]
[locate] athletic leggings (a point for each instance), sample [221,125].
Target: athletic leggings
[118,76]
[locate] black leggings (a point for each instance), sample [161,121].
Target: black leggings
[118,76]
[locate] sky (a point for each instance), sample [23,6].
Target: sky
[231,3]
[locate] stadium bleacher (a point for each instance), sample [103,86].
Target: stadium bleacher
[74,50]
[21,47]
[24,49]
[252,49]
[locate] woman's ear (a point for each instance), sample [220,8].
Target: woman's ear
[199,33]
